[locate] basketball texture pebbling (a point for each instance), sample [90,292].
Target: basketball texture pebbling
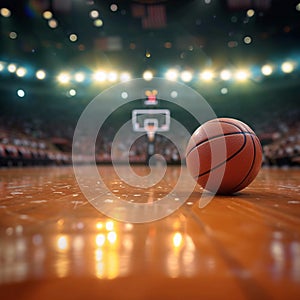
[224,155]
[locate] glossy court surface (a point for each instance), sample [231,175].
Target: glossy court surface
[55,245]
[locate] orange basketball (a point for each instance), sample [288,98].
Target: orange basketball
[224,155]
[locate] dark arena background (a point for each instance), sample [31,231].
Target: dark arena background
[56,56]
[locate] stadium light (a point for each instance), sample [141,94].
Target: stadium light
[171,74]
[21,93]
[225,75]
[52,23]
[11,68]
[112,76]
[63,78]
[114,7]
[5,12]
[13,35]
[79,77]
[207,75]
[47,15]
[148,75]
[21,72]
[224,91]
[241,75]
[98,23]
[287,67]
[247,40]
[250,13]
[100,76]
[73,37]
[72,92]
[94,14]
[124,95]
[186,76]
[267,70]
[125,76]
[40,74]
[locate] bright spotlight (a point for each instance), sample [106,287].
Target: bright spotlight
[63,78]
[250,13]
[94,14]
[79,77]
[207,75]
[148,54]
[47,15]
[5,12]
[125,76]
[13,35]
[73,37]
[11,68]
[114,7]
[21,72]
[225,75]
[172,74]
[40,74]
[112,76]
[224,91]
[148,75]
[72,92]
[124,95]
[247,40]
[267,70]
[100,76]
[21,93]
[287,67]
[52,23]
[174,94]
[241,75]
[98,23]
[186,76]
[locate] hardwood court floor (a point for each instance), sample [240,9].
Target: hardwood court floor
[55,245]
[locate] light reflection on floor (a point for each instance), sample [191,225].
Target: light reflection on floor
[108,252]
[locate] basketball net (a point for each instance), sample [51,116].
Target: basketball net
[151,132]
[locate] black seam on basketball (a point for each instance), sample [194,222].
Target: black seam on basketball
[216,136]
[225,161]
[251,167]
[227,122]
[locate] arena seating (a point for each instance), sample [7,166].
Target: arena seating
[20,146]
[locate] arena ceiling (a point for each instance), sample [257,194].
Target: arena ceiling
[135,35]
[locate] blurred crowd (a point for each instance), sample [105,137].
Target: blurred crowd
[23,143]
[34,142]
[132,147]
[281,143]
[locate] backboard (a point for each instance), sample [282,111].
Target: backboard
[157,119]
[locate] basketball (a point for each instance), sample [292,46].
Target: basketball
[224,155]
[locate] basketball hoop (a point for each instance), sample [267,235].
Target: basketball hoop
[151,121]
[150,129]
